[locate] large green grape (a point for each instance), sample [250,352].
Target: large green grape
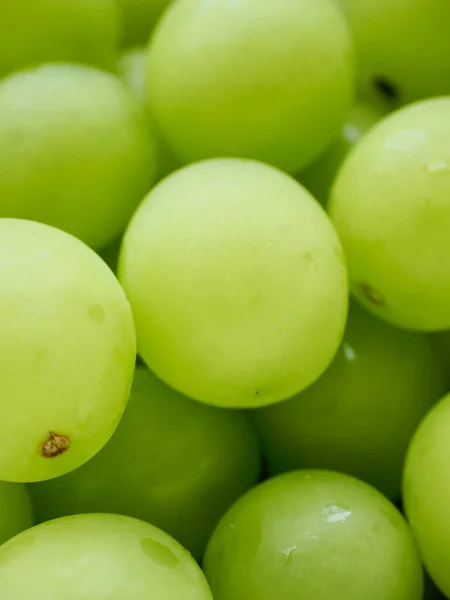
[237,283]
[16,512]
[318,177]
[33,32]
[391,207]
[67,352]
[359,417]
[75,151]
[139,17]
[316,535]
[403,47]
[106,557]
[173,462]
[257,79]
[426,489]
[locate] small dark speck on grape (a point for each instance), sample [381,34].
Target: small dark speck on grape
[386,88]
[374,296]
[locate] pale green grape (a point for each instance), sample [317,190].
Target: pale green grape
[403,47]
[391,207]
[67,352]
[106,557]
[75,150]
[318,177]
[16,512]
[173,462]
[237,283]
[359,417]
[426,489]
[139,18]
[266,80]
[33,32]
[315,535]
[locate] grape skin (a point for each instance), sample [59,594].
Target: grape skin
[237,283]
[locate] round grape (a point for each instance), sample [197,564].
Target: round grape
[67,352]
[391,207]
[359,417]
[75,149]
[106,557]
[16,512]
[237,283]
[271,81]
[313,534]
[33,32]
[172,462]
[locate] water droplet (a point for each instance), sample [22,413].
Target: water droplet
[335,514]
[159,553]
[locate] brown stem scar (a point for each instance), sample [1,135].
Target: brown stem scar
[374,296]
[55,445]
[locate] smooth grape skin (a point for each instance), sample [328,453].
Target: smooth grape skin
[237,283]
[33,32]
[359,417]
[106,557]
[172,462]
[16,512]
[251,79]
[403,47]
[67,352]
[426,488]
[313,534]
[391,207]
[75,149]
[318,177]
[139,18]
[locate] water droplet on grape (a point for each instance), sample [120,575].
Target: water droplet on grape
[159,553]
[332,513]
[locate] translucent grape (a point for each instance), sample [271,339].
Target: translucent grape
[237,283]
[57,30]
[16,513]
[67,352]
[426,487]
[106,557]
[313,534]
[75,150]
[391,207]
[251,79]
[173,462]
[359,417]
[403,47]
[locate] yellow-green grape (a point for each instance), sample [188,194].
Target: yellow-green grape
[403,47]
[67,352]
[75,151]
[425,489]
[318,177]
[173,462]
[237,282]
[359,417]
[265,80]
[34,32]
[101,556]
[16,512]
[391,207]
[139,17]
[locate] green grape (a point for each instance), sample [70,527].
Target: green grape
[391,206]
[271,81]
[315,535]
[106,557]
[173,462]
[237,283]
[132,65]
[67,352]
[318,177]
[403,47]
[34,32]
[139,18]
[426,486]
[16,512]
[359,417]
[75,151]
